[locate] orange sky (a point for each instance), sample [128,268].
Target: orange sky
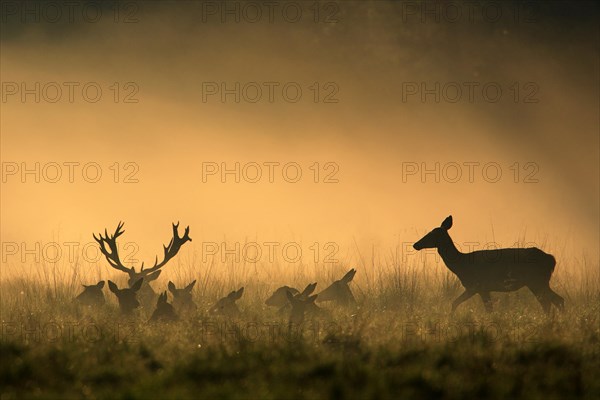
[371,54]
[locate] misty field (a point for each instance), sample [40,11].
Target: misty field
[399,342]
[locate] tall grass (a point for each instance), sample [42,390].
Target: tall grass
[400,340]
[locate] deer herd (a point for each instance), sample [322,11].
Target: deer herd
[480,272]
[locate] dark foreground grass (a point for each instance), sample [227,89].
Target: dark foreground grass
[400,342]
[337,368]
[70,353]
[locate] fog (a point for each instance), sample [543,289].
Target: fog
[370,131]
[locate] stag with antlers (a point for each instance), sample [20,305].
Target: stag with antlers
[146,295]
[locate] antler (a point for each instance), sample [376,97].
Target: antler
[172,249]
[111,241]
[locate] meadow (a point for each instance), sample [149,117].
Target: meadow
[399,342]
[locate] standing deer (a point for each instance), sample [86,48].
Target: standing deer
[339,292]
[182,298]
[147,295]
[127,297]
[92,295]
[499,270]
[226,306]
[164,311]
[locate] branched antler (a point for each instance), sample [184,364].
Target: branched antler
[171,250]
[112,256]
[111,241]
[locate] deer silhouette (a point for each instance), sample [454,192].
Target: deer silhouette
[499,270]
[339,292]
[279,297]
[92,295]
[301,304]
[182,298]
[108,247]
[127,297]
[226,306]
[164,311]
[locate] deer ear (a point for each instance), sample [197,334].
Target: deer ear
[312,298]
[100,284]
[189,287]
[306,290]
[113,288]
[171,287]
[447,224]
[238,294]
[137,285]
[349,275]
[153,276]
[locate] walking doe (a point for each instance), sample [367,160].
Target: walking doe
[499,270]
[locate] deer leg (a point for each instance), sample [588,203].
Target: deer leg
[556,299]
[542,295]
[487,301]
[467,294]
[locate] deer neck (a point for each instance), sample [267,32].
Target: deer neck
[450,254]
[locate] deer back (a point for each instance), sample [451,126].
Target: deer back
[92,295]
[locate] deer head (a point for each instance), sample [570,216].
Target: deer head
[279,297]
[435,238]
[339,291]
[182,298]
[127,297]
[301,303]
[226,306]
[108,247]
[164,311]
[92,295]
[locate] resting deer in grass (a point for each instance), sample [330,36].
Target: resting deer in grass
[108,247]
[500,270]
[92,295]
[182,298]
[279,298]
[164,311]
[127,297]
[301,304]
[226,306]
[339,292]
